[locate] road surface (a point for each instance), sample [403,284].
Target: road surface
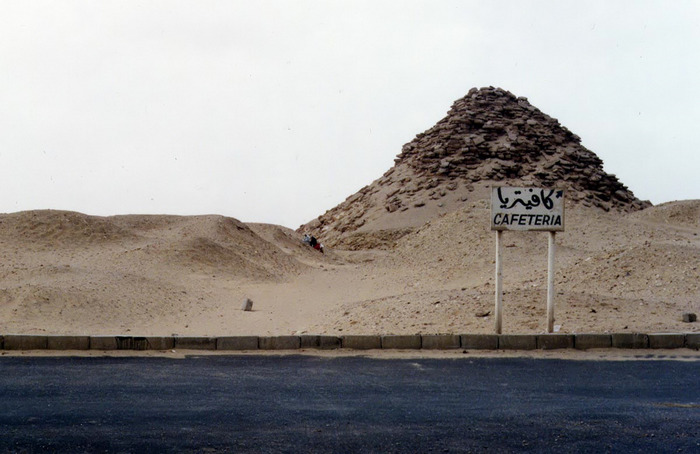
[347,404]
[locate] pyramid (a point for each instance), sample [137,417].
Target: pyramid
[489,137]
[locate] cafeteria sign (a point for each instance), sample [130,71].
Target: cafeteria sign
[526,209]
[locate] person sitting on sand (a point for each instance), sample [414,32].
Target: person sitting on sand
[313,242]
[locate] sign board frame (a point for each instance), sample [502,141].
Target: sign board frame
[526,209]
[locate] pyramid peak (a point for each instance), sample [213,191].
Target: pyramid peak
[488,137]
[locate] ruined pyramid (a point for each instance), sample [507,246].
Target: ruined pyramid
[489,137]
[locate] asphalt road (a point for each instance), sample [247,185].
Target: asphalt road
[347,404]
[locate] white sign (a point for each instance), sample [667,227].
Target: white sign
[527,209]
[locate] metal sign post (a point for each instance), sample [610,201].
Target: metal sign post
[499,286]
[526,209]
[550,282]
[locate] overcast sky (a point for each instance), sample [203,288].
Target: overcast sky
[276,111]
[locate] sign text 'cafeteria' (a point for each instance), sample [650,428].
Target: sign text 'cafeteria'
[527,209]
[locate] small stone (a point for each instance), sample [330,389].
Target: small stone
[247,305]
[689,317]
[392,206]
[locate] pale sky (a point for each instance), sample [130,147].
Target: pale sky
[276,111]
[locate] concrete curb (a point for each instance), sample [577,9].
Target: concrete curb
[440,341]
[127,343]
[630,340]
[103,342]
[237,343]
[195,343]
[357,342]
[479,341]
[517,341]
[692,340]
[322,342]
[361,342]
[279,343]
[666,340]
[586,341]
[401,342]
[160,343]
[68,342]
[555,341]
[25,342]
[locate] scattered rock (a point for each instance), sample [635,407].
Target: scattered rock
[689,317]
[247,305]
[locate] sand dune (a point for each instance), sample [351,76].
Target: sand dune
[71,273]
[67,272]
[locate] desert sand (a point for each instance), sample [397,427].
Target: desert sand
[68,273]
[410,253]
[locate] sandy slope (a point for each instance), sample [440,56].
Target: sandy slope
[66,272]
[615,272]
